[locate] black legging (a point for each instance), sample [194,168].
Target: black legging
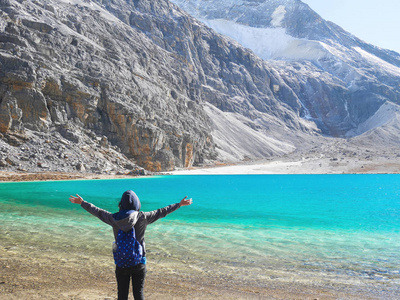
[137,273]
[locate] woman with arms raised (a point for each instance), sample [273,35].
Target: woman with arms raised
[129,225]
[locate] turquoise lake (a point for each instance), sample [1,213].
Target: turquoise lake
[341,228]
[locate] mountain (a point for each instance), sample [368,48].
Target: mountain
[76,74]
[112,85]
[289,32]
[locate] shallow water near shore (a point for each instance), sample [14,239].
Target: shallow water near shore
[322,230]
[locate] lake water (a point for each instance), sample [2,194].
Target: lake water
[334,229]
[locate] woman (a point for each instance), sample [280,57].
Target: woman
[128,217]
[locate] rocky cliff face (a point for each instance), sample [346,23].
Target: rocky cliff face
[340,80]
[106,85]
[76,72]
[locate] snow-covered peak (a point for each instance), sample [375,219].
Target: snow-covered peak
[290,30]
[263,26]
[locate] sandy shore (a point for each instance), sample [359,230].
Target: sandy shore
[28,274]
[305,165]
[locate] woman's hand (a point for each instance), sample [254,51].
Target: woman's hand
[185,201]
[76,199]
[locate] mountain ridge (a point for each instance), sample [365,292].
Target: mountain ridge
[143,83]
[326,45]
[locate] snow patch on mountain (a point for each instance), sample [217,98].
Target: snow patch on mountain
[377,62]
[278,15]
[236,141]
[269,43]
[301,49]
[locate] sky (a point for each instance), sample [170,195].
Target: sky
[374,21]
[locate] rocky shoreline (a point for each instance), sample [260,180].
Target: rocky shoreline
[302,165]
[51,155]
[91,277]
[43,176]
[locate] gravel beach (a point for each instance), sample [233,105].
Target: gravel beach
[29,273]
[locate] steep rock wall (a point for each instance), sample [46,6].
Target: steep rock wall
[82,69]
